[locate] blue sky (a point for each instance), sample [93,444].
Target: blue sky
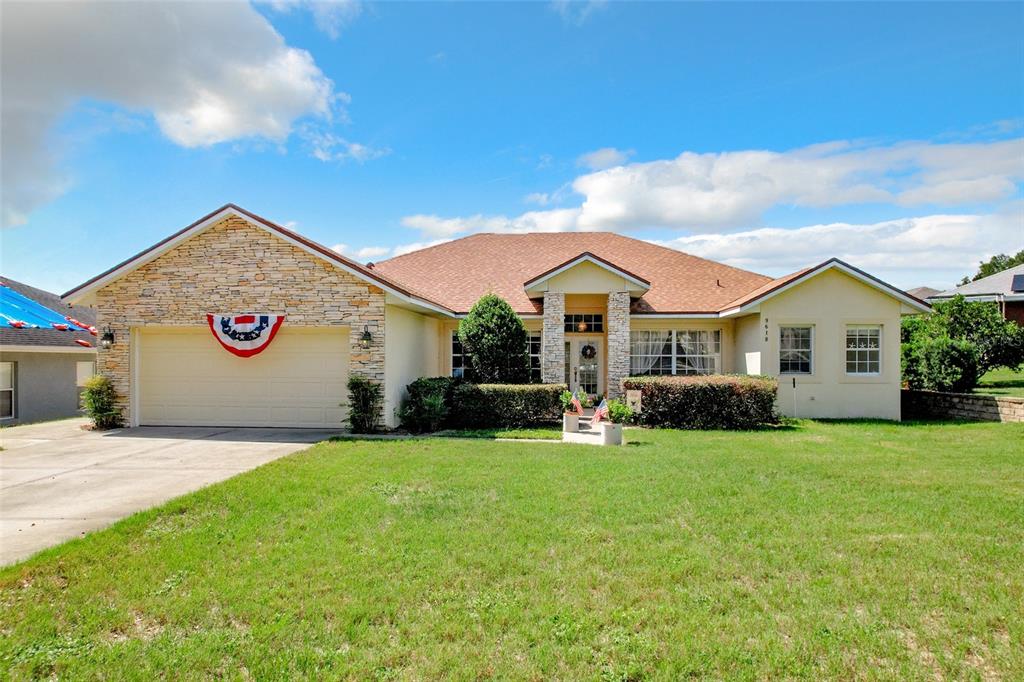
[770,136]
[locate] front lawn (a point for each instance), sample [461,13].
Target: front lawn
[1002,382]
[825,550]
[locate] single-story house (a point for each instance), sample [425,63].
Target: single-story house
[599,307]
[46,353]
[1004,288]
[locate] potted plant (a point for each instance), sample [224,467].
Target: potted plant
[570,417]
[611,430]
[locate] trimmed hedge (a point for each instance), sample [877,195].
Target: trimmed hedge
[718,401]
[443,402]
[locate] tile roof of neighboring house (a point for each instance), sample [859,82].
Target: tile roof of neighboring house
[993,285]
[457,273]
[922,292]
[9,336]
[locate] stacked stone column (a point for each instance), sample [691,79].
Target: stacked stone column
[618,341]
[553,338]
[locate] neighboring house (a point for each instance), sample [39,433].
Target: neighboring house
[599,307]
[44,357]
[923,293]
[1005,288]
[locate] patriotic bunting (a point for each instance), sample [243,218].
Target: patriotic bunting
[247,334]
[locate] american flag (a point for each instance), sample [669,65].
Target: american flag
[601,411]
[576,404]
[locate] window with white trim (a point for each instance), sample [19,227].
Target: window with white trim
[796,350]
[535,351]
[460,363]
[6,390]
[863,349]
[666,351]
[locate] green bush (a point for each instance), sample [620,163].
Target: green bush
[365,399]
[99,400]
[619,412]
[444,403]
[949,365]
[495,342]
[718,401]
[426,406]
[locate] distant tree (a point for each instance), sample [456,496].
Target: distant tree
[494,339]
[995,264]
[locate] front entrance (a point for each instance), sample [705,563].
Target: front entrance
[584,358]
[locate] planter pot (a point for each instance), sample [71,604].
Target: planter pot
[611,434]
[570,422]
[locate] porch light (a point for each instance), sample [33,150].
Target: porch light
[366,338]
[581,326]
[107,340]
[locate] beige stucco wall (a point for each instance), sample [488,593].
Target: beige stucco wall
[584,278]
[413,349]
[235,266]
[829,302]
[749,342]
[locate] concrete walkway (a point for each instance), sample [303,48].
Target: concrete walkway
[58,481]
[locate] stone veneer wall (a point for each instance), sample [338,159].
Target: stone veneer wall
[618,341]
[934,405]
[553,339]
[235,266]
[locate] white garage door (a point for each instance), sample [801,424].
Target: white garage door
[186,378]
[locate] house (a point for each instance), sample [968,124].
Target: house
[45,357]
[923,293]
[598,306]
[1005,288]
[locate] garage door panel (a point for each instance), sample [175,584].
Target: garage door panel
[186,378]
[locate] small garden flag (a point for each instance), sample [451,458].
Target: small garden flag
[601,411]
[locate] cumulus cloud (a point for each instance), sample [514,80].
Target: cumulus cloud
[327,146]
[207,72]
[931,250]
[330,16]
[718,192]
[603,158]
[366,253]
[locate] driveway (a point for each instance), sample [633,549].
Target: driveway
[58,481]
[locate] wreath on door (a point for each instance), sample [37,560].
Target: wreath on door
[588,352]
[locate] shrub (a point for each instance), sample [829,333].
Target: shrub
[427,404]
[619,412]
[495,342]
[706,402]
[479,406]
[566,400]
[949,365]
[365,399]
[99,402]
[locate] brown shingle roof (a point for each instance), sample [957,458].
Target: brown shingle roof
[457,273]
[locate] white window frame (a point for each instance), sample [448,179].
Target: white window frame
[810,350]
[9,389]
[539,336]
[452,355]
[847,348]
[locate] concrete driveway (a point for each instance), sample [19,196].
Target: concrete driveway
[58,481]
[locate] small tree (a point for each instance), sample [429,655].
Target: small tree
[494,340]
[99,400]
[365,399]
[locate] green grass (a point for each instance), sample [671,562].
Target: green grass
[549,433]
[1002,382]
[826,550]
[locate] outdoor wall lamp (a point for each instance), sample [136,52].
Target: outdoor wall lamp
[107,340]
[582,326]
[366,338]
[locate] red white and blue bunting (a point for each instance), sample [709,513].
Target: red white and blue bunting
[245,334]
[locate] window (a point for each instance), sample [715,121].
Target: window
[535,345]
[461,368]
[83,372]
[588,323]
[675,352]
[863,350]
[795,350]
[6,390]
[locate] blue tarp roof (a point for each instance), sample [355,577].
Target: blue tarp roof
[15,308]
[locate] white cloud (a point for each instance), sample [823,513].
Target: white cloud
[330,147]
[717,192]
[576,12]
[367,253]
[330,16]
[207,72]
[933,250]
[603,158]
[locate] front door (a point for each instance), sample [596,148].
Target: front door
[583,362]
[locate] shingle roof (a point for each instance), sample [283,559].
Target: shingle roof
[922,292]
[457,273]
[999,283]
[10,336]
